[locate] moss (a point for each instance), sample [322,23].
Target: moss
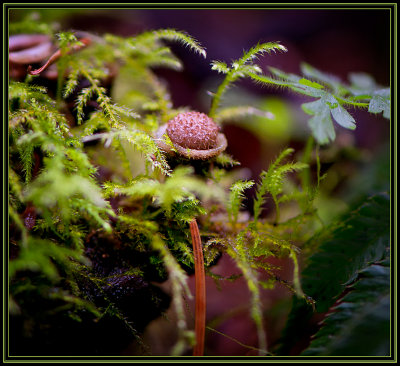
[98,213]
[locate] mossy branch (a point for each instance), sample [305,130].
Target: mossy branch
[240,68]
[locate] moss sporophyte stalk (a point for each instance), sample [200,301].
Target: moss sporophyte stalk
[113,191]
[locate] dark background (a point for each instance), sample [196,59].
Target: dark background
[337,41]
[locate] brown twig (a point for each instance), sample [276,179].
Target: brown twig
[200,290]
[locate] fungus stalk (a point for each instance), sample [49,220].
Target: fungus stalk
[200,290]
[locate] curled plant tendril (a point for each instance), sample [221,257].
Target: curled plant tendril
[56,55]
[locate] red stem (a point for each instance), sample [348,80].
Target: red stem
[56,55]
[200,290]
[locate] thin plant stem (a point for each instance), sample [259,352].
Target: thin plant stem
[200,290]
[56,55]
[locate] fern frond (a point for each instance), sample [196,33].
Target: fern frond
[72,83]
[27,159]
[25,93]
[55,188]
[187,210]
[177,36]
[96,121]
[66,40]
[236,197]
[38,111]
[145,144]
[272,181]
[220,67]
[247,70]
[15,184]
[239,69]
[165,58]
[84,97]
[274,178]
[332,81]
[100,215]
[102,98]
[259,50]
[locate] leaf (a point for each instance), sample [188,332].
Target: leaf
[348,246]
[342,117]
[362,82]
[360,324]
[328,79]
[380,102]
[321,122]
[331,98]
[311,84]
